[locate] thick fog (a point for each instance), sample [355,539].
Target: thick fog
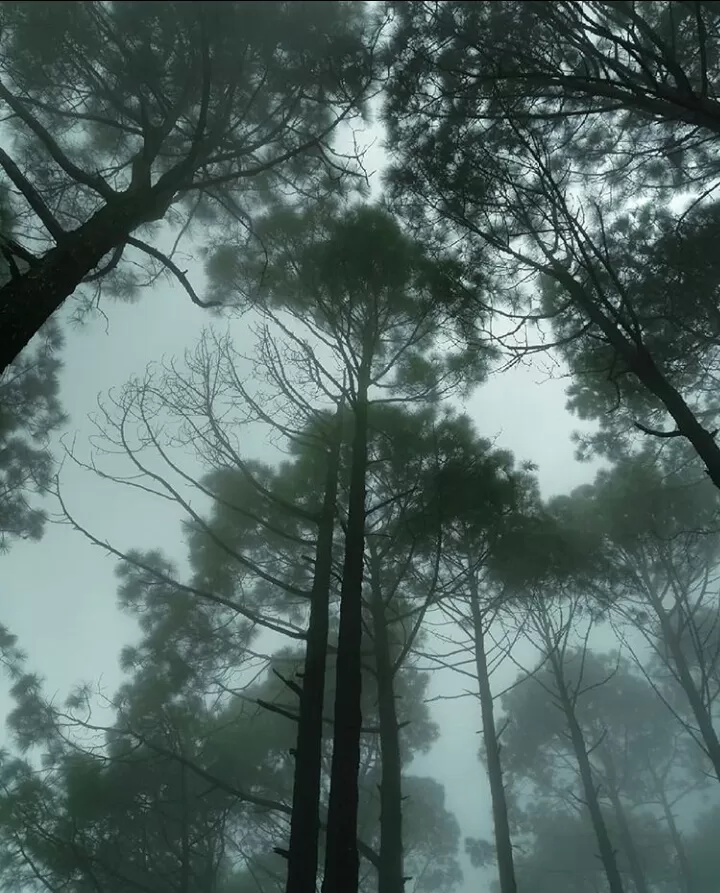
[537,631]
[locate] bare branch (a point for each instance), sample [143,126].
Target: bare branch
[291,632]
[179,274]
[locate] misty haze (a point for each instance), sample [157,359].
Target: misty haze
[359,458]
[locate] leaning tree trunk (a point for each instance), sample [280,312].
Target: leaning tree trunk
[28,300]
[342,865]
[605,847]
[501,824]
[644,366]
[390,870]
[305,818]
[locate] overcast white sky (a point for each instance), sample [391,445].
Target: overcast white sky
[59,595]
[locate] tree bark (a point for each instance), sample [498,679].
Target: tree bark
[501,824]
[305,817]
[390,870]
[605,847]
[342,865]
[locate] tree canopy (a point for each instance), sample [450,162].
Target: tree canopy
[123,115]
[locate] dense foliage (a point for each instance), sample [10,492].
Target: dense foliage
[550,190]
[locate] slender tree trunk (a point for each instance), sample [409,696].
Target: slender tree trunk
[702,715]
[683,862]
[501,824]
[605,847]
[305,818]
[636,870]
[29,300]
[342,867]
[390,872]
[700,712]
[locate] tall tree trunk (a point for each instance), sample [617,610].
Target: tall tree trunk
[342,867]
[501,824]
[305,818]
[29,300]
[390,871]
[675,835]
[605,847]
[637,872]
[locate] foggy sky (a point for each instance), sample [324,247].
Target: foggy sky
[59,594]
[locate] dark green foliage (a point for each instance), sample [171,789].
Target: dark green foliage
[30,413]
[622,87]
[161,800]
[666,274]
[247,520]
[644,500]
[355,279]
[185,637]
[547,177]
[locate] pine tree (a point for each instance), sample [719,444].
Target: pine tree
[124,115]
[553,191]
